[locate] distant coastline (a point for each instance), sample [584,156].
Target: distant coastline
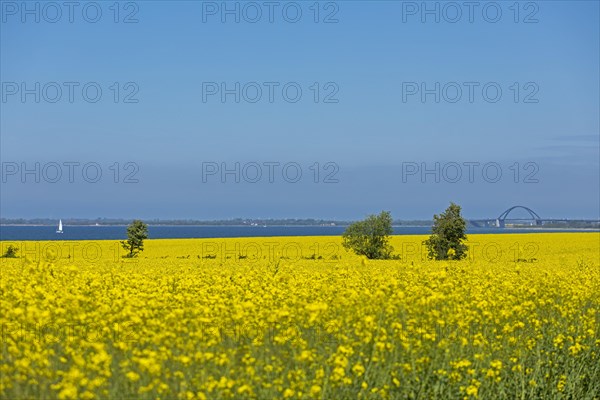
[533,228]
[273,222]
[237,222]
[175,222]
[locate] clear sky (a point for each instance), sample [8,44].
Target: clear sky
[367,119]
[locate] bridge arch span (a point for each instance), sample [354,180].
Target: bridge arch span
[500,221]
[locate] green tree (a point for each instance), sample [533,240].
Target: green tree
[447,235]
[370,236]
[137,231]
[11,252]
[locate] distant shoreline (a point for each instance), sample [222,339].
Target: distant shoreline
[524,228]
[533,228]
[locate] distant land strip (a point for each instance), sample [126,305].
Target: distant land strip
[261,222]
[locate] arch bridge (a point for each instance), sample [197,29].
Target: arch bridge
[500,222]
[502,218]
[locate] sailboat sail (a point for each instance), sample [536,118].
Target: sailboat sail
[59,226]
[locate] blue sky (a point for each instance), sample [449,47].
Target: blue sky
[375,128]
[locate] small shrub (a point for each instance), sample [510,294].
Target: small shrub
[11,252]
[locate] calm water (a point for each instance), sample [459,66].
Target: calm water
[173,232]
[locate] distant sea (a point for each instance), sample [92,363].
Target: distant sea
[28,232]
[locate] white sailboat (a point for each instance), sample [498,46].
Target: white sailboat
[59,230]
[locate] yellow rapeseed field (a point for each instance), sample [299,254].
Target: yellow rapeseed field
[301,318]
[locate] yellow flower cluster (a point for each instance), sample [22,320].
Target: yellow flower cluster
[301,318]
